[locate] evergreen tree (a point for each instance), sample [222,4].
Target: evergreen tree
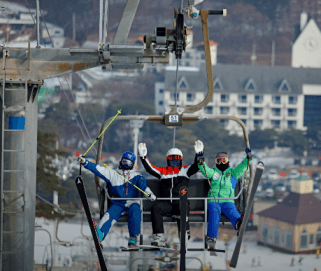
[47,180]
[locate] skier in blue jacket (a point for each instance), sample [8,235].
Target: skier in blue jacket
[120,188]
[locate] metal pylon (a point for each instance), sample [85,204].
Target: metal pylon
[13,177]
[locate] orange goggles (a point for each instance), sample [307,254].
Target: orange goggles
[221,160]
[174,157]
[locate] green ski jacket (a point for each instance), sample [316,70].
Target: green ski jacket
[223,183]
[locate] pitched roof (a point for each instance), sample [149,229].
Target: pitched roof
[295,209]
[234,77]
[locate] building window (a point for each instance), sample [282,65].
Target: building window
[224,98]
[190,97]
[224,110]
[292,124]
[224,122]
[161,91]
[244,121]
[276,99]
[311,242]
[203,56]
[241,111]
[291,112]
[187,64]
[243,99]
[276,235]
[258,124]
[173,96]
[208,109]
[275,124]
[182,85]
[264,232]
[318,237]
[250,85]
[276,111]
[270,236]
[282,238]
[188,55]
[304,239]
[258,99]
[293,99]
[258,111]
[288,238]
[218,84]
[160,102]
[284,86]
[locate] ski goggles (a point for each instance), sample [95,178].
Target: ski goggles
[126,162]
[221,160]
[174,157]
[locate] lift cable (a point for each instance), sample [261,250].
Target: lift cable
[85,137]
[56,206]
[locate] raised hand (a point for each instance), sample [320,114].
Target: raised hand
[142,149]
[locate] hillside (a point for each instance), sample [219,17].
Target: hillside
[248,22]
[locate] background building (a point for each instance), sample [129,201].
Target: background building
[306,49]
[295,224]
[263,97]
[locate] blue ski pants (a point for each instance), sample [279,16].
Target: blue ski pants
[214,215]
[113,214]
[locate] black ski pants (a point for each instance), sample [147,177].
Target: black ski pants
[163,207]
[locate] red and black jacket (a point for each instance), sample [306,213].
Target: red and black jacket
[172,178]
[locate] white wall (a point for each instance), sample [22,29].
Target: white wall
[306,50]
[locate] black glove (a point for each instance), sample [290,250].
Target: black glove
[200,158]
[248,153]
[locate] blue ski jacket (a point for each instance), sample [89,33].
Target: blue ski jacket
[118,187]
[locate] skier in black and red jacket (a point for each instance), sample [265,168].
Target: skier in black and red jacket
[172,178]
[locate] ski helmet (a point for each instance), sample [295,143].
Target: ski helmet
[174,158]
[222,162]
[127,160]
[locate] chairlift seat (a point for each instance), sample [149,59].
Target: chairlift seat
[197,189]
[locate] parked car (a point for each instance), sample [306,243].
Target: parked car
[316,189]
[294,174]
[273,175]
[280,187]
[269,193]
[316,176]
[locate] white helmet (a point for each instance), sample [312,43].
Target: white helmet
[174,151]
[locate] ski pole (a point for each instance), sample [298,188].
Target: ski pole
[118,112]
[128,181]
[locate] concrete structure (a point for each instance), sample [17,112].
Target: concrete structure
[263,97]
[295,224]
[306,49]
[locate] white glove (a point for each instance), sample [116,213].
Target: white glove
[81,159]
[142,149]
[199,146]
[152,197]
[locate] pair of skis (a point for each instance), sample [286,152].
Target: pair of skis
[257,178]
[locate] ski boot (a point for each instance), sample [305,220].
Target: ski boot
[238,224]
[157,241]
[99,234]
[211,242]
[132,242]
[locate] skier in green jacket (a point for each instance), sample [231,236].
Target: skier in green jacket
[223,180]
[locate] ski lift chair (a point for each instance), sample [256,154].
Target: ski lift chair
[197,206]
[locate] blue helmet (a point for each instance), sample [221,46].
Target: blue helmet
[127,160]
